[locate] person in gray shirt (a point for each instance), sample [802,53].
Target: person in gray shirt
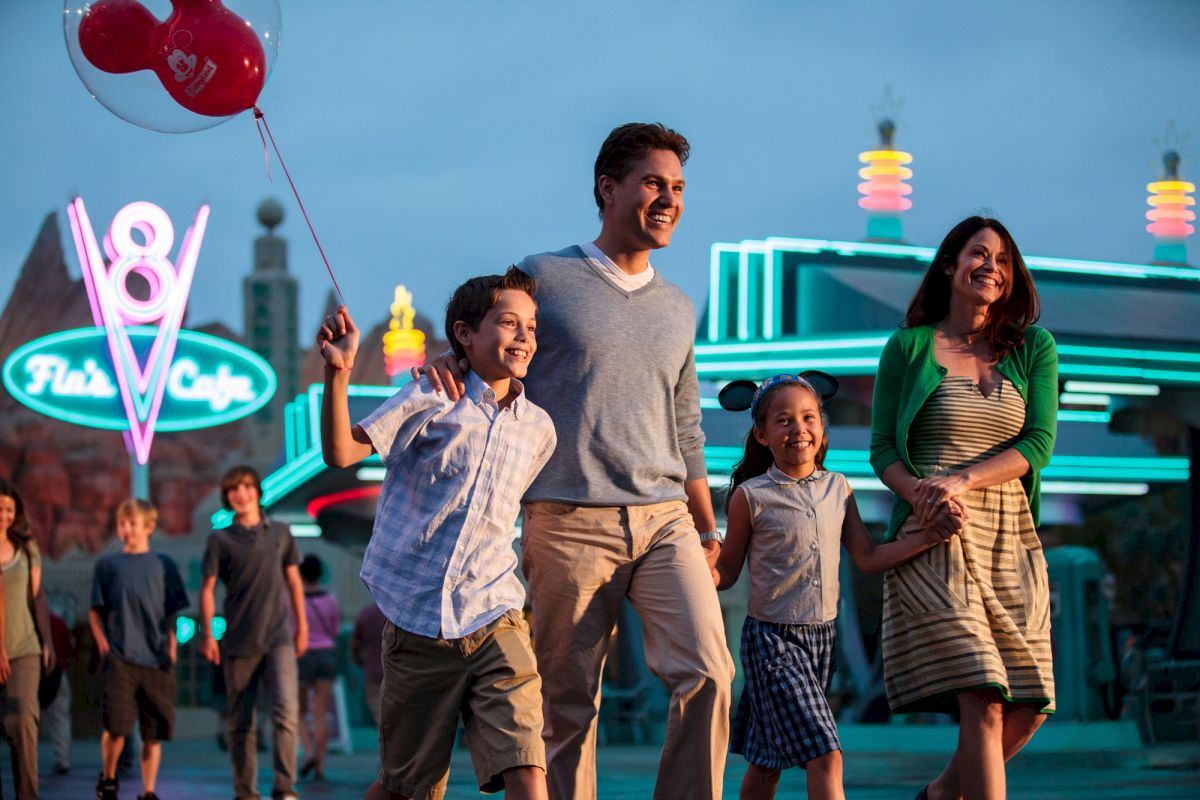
[617,510]
[256,558]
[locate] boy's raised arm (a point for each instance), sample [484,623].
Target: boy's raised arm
[337,341]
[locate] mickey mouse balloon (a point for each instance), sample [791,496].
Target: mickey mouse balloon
[176,66]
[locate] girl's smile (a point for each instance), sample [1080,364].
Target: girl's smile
[793,430]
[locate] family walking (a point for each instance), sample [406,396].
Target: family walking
[599,445]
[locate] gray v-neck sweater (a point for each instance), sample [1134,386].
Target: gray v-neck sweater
[616,373]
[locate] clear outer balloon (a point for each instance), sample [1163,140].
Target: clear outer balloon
[173,65]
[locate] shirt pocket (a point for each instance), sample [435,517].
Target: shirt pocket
[935,580]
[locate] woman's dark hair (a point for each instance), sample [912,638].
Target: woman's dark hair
[311,569]
[18,533]
[756,456]
[1007,319]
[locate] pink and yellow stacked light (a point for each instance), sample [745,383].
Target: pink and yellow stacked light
[1169,214]
[883,188]
[403,345]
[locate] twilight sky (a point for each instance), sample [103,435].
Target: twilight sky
[437,139]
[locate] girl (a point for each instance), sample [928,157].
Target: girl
[22,655]
[791,518]
[317,667]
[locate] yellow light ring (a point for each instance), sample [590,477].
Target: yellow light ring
[897,156]
[1171,186]
[877,170]
[1170,199]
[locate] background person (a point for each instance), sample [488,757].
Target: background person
[56,717]
[317,667]
[366,650]
[963,420]
[27,643]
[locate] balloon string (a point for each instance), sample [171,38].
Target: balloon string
[258,115]
[266,154]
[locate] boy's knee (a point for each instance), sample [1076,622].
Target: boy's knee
[826,762]
[765,775]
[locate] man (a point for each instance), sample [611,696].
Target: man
[617,510]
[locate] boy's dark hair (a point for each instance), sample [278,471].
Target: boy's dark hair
[471,301]
[629,143]
[138,509]
[234,478]
[311,568]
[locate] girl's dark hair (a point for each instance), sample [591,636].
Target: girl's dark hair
[311,569]
[1007,319]
[756,456]
[18,532]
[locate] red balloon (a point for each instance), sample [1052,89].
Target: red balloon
[206,57]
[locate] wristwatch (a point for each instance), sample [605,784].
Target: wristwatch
[708,536]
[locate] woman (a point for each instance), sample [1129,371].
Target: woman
[317,667]
[963,420]
[22,654]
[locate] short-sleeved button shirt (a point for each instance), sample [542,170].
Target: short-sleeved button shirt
[138,596]
[795,545]
[250,562]
[440,561]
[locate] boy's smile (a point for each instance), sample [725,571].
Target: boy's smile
[644,208]
[134,532]
[506,340]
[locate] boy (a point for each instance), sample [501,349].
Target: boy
[256,559]
[135,597]
[440,563]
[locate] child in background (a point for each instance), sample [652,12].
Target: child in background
[440,563]
[317,667]
[790,518]
[135,597]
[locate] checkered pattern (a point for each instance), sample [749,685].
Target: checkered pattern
[441,561]
[783,719]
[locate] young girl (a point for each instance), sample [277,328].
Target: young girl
[791,518]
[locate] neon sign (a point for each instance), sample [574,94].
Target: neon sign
[403,345]
[137,371]
[67,376]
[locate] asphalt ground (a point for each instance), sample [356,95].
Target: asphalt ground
[197,770]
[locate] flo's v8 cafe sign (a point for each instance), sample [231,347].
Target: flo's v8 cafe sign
[137,370]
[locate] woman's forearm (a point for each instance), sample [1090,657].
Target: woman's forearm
[900,481]
[1000,468]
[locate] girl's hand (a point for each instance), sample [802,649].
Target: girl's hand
[933,493]
[337,340]
[948,519]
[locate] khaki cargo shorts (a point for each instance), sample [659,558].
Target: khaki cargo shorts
[488,677]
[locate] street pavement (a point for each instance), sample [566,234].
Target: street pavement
[197,770]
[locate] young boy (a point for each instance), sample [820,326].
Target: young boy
[440,563]
[135,597]
[256,559]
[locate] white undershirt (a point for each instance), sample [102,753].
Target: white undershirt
[614,273]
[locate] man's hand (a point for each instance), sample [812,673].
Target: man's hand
[337,340]
[210,651]
[5,667]
[712,551]
[444,373]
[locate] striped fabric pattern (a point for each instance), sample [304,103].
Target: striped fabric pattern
[783,718]
[974,612]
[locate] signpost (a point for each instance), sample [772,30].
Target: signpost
[137,371]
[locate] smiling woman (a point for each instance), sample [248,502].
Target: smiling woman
[963,420]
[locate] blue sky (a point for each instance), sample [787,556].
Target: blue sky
[438,139]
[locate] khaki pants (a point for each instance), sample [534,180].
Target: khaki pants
[581,563]
[21,713]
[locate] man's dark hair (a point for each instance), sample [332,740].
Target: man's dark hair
[234,478]
[631,142]
[471,301]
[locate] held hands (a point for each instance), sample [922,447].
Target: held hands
[444,373]
[337,340]
[712,551]
[937,506]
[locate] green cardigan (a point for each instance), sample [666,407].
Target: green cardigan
[908,375]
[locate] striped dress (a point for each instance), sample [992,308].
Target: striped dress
[974,612]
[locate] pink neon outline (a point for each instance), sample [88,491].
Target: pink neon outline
[106,311]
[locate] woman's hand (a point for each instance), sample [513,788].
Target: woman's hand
[948,519]
[933,494]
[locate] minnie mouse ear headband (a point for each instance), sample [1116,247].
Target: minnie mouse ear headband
[742,394]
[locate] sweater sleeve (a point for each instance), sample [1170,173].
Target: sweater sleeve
[687,419]
[889,380]
[1036,442]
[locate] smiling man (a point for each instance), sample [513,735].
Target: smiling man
[622,509]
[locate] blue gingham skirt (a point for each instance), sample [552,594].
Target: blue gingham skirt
[783,718]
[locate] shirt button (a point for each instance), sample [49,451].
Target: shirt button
[808,513]
[816,582]
[812,546]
